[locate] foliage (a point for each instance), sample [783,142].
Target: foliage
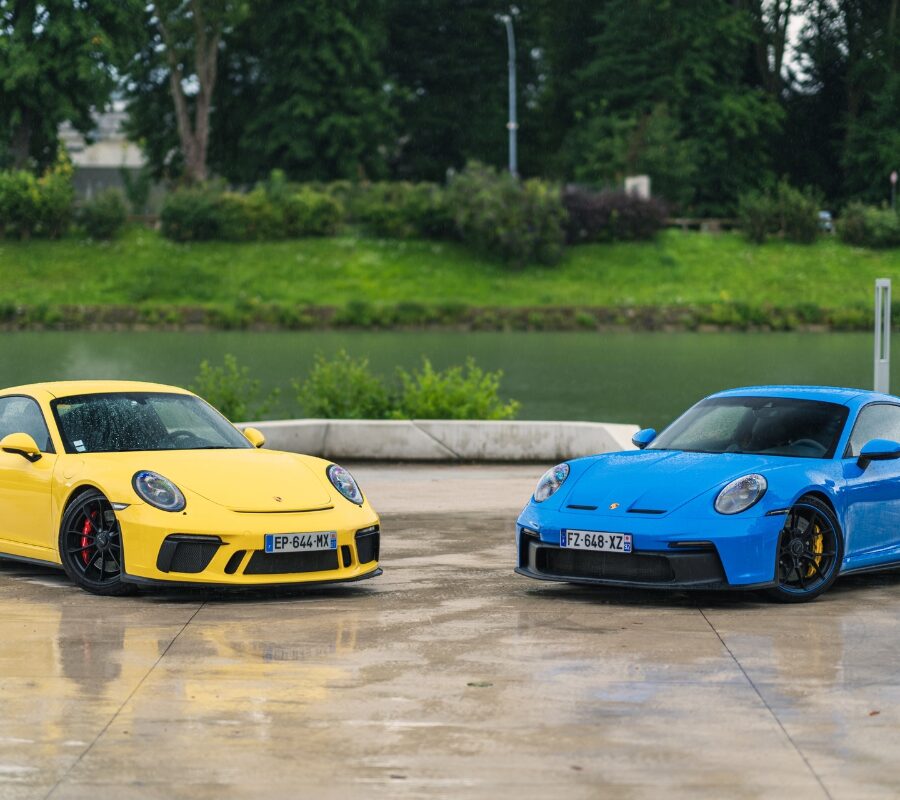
[137,185]
[231,390]
[869,226]
[192,214]
[104,215]
[300,88]
[308,212]
[271,211]
[400,210]
[456,393]
[610,216]
[32,206]
[520,222]
[57,60]
[344,388]
[787,211]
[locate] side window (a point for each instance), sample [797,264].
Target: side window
[879,421]
[23,415]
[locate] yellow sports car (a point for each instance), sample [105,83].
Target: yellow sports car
[126,483]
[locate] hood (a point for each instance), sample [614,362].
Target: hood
[658,481]
[244,480]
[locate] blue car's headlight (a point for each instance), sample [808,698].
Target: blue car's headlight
[550,481]
[344,483]
[740,494]
[158,491]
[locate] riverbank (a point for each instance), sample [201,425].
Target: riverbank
[683,281]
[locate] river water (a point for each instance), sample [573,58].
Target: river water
[644,378]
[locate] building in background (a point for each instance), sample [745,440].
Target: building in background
[100,158]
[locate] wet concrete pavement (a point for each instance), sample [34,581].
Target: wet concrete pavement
[449,676]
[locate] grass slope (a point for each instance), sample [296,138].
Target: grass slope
[678,269]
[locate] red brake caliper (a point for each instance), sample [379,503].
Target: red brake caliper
[86,530]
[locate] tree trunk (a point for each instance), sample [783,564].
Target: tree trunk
[193,134]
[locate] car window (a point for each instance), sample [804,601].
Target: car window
[23,415]
[777,426]
[878,421]
[134,421]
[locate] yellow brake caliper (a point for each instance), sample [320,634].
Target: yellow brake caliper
[818,546]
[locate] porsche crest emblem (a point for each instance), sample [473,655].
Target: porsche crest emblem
[613,506]
[277,499]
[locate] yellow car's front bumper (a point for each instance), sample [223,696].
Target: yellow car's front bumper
[227,548]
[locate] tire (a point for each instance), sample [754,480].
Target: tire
[809,552]
[90,545]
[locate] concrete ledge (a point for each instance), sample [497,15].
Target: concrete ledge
[444,440]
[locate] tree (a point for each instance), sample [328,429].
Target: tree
[57,63]
[845,108]
[665,90]
[302,89]
[182,54]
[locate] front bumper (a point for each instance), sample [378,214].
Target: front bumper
[668,552]
[218,547]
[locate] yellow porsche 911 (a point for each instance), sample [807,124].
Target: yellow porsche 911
[127,483]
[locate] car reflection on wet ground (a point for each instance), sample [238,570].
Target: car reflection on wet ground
[449,676]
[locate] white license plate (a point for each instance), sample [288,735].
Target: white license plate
[596,540]
[294,542]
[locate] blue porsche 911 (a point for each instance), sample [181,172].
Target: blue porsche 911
[781,488]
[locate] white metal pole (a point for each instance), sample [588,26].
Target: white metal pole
[883,335]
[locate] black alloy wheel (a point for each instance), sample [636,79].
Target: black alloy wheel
[810,551]
[90,545]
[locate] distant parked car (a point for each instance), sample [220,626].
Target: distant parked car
[826,222]
[780,488]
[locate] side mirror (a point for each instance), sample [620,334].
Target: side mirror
[22,445]
[642,438]
[255,437]
[876,450]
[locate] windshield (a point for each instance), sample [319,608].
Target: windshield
[129,421]
[776,426]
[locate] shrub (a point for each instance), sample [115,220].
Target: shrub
[611,215]
[790,212]
[344,388]
[757,214]
[798,214]
[249,217]
[103,217]
[310,213]
[31,206]
[519,222]
[230,389]
[19,204]
[869,226]
[192,214]
[456,393]
[401,210]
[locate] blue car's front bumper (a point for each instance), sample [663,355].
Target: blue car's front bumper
[667,552]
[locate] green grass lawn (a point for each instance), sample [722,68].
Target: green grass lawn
[678,269]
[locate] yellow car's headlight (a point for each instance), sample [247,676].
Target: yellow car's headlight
[158,491]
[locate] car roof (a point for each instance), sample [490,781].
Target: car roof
[70,388]
[828,394]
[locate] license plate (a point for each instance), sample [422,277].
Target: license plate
[596,540]
[294,542]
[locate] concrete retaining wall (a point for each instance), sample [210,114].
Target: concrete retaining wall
[444,440]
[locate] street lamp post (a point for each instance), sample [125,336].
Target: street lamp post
[513,124]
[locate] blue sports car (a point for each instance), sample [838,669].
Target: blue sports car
[781,488]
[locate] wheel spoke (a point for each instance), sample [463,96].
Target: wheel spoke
[90,563]
[79,549]
[102,564]
[815,566]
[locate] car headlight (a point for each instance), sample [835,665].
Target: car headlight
[344,483]
[550,481]
[158,491]
[740,494]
